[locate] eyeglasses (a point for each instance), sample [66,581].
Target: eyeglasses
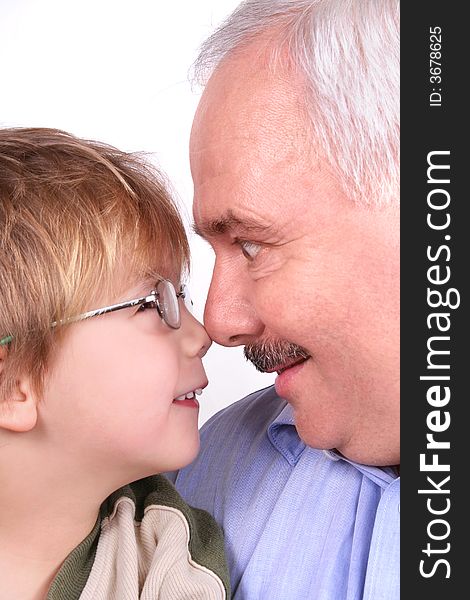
[163,298]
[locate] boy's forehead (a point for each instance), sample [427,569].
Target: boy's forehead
[144,284]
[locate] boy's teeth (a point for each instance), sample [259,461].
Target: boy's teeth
[189,395]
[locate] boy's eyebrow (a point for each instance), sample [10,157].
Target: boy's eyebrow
[226,224]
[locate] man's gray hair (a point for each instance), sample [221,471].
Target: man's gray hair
[349,52]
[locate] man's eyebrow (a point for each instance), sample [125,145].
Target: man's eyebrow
[227,223]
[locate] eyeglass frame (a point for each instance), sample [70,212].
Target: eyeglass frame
[152,298]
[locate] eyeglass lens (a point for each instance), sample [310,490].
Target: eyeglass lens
[168,303]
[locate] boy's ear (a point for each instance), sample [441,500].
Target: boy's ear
[18,412]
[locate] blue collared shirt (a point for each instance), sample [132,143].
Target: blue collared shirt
[299,523]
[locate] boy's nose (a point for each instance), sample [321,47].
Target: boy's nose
[196,340]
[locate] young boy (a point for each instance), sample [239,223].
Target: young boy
[100,362]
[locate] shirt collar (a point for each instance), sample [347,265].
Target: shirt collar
[284,437]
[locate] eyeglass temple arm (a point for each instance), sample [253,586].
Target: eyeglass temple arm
[107,309]
[102,311]
[92,313]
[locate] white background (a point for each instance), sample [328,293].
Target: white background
[117,71]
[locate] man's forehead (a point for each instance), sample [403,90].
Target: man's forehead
[246,97]
[251,147]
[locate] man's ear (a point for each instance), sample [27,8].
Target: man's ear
[18,412]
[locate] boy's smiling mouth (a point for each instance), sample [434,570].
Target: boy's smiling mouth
[189,395]
[189,398]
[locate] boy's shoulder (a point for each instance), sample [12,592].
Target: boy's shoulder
[158,495]
[144,494]
[149,539]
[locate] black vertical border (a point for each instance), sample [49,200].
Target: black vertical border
[424,129]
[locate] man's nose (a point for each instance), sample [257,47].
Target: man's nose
[229,315]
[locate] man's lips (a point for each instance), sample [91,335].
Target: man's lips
[281,368]
[287,375]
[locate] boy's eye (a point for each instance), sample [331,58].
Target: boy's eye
[249,249]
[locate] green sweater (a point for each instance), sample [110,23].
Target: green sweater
[146,544]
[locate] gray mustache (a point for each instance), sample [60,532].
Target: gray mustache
[268,355]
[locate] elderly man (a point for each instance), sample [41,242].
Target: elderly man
[294,156]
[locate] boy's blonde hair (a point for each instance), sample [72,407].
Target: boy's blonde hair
[79,222]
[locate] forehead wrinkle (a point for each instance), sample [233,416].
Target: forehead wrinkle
[227,223]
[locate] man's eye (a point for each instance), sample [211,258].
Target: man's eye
[249,249]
